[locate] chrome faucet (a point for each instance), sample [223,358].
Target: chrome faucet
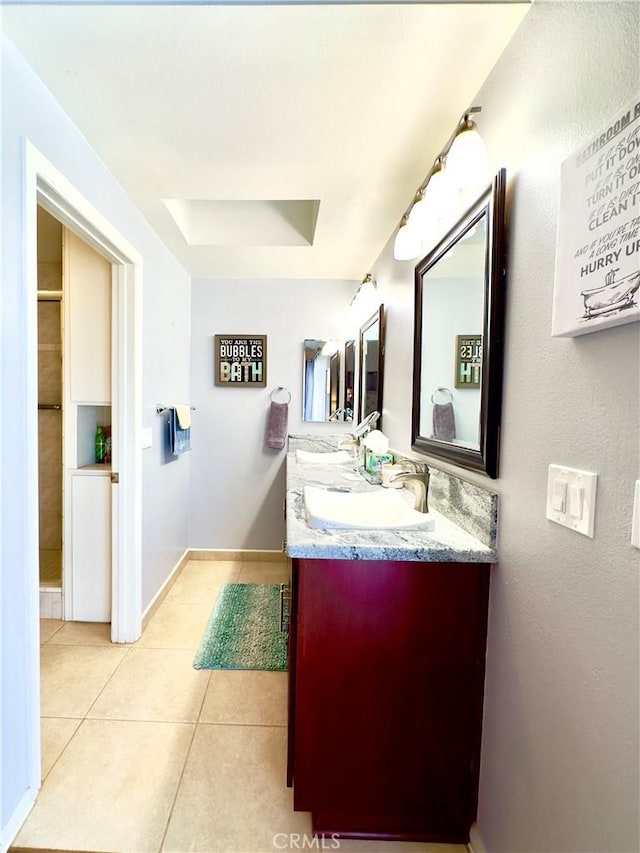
[354,439]
[420,475]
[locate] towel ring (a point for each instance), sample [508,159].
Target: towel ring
[442,391]
[277,391]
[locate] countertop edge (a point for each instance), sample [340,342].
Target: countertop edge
[449,543]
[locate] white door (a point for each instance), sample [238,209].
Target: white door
[88,395]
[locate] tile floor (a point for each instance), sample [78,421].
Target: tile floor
[142,754]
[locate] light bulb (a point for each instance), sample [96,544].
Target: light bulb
[467,160]
[365,301]
[439,190]
[442,196]
[367,298]
[407,244]
[419,214]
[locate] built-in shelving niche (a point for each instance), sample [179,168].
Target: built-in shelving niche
[89,418]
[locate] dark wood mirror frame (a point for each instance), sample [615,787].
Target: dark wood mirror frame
[363,411]
[492,205]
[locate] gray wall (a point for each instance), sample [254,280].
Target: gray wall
[560,747]
[237,483]
[28,110]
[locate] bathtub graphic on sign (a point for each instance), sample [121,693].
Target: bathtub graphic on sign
[597,275]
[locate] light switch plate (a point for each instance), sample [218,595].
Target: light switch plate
[147,437]
[579,511]
[635,523]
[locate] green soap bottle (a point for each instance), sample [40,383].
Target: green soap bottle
[101,445]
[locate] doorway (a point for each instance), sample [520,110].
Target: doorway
[45,186]
[50,468]
[76,396]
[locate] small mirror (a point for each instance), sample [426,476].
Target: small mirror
[459,318]
[372,365]
[349,380]
[328,376]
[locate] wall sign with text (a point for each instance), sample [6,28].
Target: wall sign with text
[468,361]
[597,275]
[241,360]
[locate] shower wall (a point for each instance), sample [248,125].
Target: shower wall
[50,403]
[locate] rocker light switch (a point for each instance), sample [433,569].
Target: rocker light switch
[575,501]
[571,498]
[559,498]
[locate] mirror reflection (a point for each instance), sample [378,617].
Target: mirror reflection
[371,364]
[328,380]
[452,319]
[459,320]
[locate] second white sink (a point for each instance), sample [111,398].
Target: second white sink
[378,509]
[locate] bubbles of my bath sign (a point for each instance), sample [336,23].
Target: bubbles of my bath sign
[597,277]
[241,360]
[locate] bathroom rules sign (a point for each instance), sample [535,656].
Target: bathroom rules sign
[241,360]
[597,276]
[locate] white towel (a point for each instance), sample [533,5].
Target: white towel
[183,412]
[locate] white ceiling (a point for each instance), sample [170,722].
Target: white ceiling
[337,110]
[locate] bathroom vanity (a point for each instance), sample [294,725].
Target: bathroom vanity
[386,670]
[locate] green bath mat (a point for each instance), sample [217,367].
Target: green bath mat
[243,631]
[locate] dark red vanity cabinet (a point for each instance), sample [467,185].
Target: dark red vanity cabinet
[385,696]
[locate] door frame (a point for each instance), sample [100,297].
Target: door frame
[44,185]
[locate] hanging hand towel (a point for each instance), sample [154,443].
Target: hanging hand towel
[444,422]
[183,412]
[179,439]
[277,427]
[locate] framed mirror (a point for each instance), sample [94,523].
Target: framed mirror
[371,365]
[458,339]
[349,380]
[327,380]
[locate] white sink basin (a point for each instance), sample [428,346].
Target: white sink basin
[378,509]
[336,457]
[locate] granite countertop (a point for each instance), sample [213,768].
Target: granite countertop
[447,543]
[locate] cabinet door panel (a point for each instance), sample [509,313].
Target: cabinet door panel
[387,689]
[88,289]
[91,547]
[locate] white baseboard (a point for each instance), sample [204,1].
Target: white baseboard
[265,556]
[20,814]
[158,598]
[216,554]
[240,555]
[207,554]
[475,845]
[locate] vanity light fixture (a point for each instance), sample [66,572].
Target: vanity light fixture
[467,160]
[439,192]
[435,211]
[365,300]
[419,214]
[407,244]
[462,164]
